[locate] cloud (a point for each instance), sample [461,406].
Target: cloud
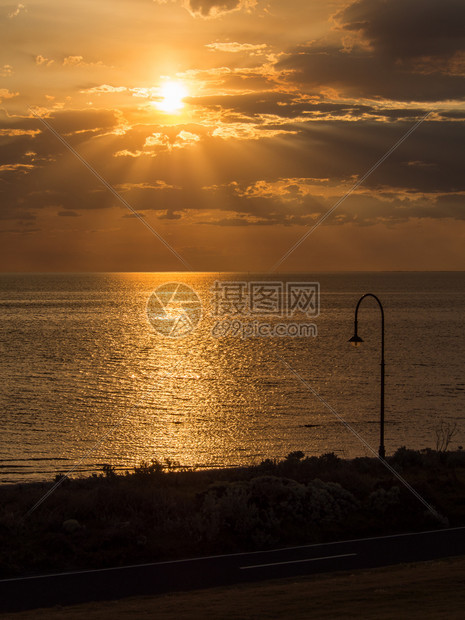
[5,94]
[16,11]
[78,61]
[24,217]
[104,88]
[22,231]
[6,71]
[361,73]
[277,106]
[144,92]
[68,214]
[390,49]
[170,215]
[406,30]
[18,132]
[158,139]
[215,8]
[287,179]
[16,167]
[187,137]
[162,141]
[81,121]
[132,215]
[210,8]
[154,185]
[41,60]
[234,47]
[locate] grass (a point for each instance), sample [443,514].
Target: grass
[158,512]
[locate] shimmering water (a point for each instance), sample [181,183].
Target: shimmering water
[78,356]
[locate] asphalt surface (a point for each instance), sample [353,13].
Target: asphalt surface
[155,578]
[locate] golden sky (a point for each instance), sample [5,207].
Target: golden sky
[231,126]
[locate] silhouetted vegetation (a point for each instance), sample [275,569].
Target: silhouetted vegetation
[162,511]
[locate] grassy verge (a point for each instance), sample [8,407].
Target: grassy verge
[158,512]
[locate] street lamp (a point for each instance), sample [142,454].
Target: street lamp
[356,340]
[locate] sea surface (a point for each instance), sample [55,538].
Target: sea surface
[86,379]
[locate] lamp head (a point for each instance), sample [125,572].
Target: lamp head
[355,340]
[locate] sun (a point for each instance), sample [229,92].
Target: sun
[172,95]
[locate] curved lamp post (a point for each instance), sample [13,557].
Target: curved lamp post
[356,340]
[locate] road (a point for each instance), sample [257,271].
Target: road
[155,578]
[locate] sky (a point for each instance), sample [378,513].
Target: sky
[231,127]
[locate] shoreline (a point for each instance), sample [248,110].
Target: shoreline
[156,513]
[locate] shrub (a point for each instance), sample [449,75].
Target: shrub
[381,500]
[407,458]
[329,502]
[268,509]
[154,468]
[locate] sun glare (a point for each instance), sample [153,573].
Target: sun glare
[172,94]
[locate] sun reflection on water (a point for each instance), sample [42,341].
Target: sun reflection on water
[82,355]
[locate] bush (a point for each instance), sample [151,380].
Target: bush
[407,458]
[329,502]
[160,512]
[268,509]
[154,468]
[381,500]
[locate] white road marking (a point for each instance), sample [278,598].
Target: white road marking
[326,557]
[232,555]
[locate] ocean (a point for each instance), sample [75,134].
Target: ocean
[88,379]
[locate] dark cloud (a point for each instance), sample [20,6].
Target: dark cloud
[228,221]
[40,143]
[284,105]
[82,121]
[7,213]
[362,73]
[405,30]
[361,209]
[252,106]
[68,214]
[405,51]
[173,185]
[19,231]
[170,215]
[454,114]
[243,81]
